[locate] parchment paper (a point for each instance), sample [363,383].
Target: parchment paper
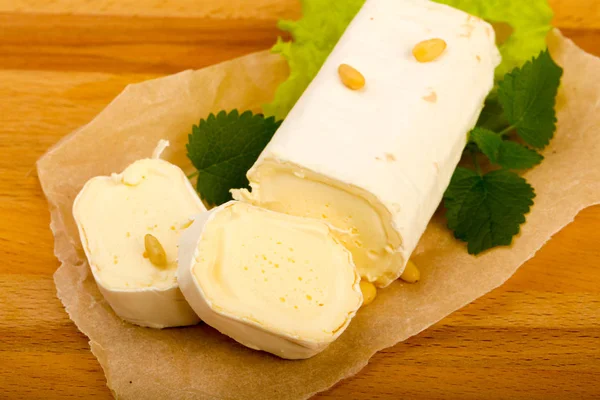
[198,362]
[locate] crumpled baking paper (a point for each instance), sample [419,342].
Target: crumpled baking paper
[198,362]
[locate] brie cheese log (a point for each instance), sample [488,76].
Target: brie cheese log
[375,162]
[270,281]
[113,214]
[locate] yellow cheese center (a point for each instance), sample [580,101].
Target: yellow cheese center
[284,273]
[355,221]
[115,213]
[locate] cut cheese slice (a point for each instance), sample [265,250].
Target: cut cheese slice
[374,163]
[270,281]
[114,214]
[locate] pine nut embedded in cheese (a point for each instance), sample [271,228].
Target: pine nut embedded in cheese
[351,77]
[429,50]
[154,250]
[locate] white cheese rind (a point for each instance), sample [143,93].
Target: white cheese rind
[230,298]
[393,144]
[152,308]
[113,214]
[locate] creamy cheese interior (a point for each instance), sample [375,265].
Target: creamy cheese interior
[115,213]
[355,221]
[286,274]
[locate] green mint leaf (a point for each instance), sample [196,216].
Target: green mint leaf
[527,95]
[492,116]
[488,142]
[507,154]
[223,147]
[487,211]
[516,156]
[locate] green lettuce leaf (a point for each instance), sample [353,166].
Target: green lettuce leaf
[530,21]
[314,37]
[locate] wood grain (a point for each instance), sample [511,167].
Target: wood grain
[578,14]
[62,61]
[124,44]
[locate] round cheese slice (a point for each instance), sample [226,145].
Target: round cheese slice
[271,281]
[113,215]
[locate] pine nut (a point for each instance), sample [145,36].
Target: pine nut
[155,251]
[368,291]
[351,77]
[411,273]
[429,50]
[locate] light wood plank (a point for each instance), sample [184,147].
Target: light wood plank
[577,14]
[125,44]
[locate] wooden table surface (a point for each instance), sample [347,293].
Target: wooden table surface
[62,61]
